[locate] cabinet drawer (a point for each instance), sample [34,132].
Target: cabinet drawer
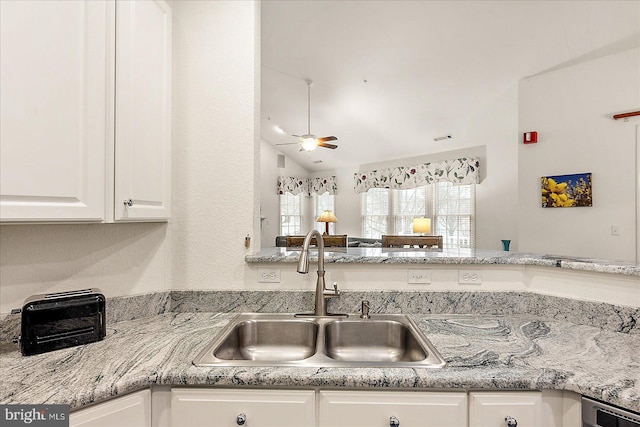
[489,409]
[261,408]
[376,409]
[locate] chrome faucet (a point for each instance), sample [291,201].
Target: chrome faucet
[322,293]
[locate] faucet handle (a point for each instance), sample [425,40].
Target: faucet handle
[365,309]
[335,293]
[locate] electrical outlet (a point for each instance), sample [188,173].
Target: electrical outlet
[469,277]
[615,230]
[268,275]
[418,276]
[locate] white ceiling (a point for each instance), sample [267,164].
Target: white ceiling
[428,65]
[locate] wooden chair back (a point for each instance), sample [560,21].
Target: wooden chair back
[391,241]
[339,240]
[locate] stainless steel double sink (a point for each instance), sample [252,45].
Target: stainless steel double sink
[384,340]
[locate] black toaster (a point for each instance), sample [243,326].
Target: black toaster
[63,319]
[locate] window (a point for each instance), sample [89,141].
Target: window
[455,209]
[451,208]
[408,204]
[324,202]
[290,214]
[375,212]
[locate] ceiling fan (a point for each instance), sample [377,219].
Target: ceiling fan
[308,141]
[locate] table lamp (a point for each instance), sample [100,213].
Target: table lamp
[327,217]
[422,226]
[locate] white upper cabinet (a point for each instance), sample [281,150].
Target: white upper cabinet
[54,70]
[143,111]
[85,89]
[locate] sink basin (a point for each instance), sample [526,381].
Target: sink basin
[372,341]
[385,340]
[269,340]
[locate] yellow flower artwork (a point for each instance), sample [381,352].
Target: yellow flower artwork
[566,191]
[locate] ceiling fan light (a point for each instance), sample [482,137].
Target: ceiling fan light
[309,144]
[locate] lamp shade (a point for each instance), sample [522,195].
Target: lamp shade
[327,216]
[422,225]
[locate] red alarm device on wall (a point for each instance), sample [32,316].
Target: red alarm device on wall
[530,137]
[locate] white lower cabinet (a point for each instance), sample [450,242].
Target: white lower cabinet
[391,408]
[132,410]
[213,407]
[521,408]
[194,407]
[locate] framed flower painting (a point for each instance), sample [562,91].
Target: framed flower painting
[567,191]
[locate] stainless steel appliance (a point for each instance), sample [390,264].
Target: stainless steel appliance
[598,414]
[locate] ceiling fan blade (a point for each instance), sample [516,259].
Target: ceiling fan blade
[297,136]
[325,145]
[289,143]
[327,138]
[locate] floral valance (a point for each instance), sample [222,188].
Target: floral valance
[458,171]
[327,184]
[308,186]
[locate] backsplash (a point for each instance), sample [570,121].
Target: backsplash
[606,316]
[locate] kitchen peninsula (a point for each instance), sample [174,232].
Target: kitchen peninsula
[377,255]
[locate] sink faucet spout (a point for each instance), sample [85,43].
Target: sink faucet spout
[303,267]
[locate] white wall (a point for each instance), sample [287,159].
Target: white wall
[347,203]
[119,259]
[589,286]
[215,154]
[571,110]
[269,200]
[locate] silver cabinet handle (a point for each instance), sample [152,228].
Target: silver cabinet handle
[511,422]
[128,202]
[241,419]
[394,422]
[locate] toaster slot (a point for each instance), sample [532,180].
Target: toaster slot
[69,334]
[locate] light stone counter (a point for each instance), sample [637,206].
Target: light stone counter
[447,256]
[482,352]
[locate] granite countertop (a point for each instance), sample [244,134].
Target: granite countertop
[379,255]
[482,352]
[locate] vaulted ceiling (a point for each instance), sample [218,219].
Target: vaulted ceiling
[390,76]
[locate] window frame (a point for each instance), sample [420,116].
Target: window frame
[297,228]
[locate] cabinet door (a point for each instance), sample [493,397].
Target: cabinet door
[54,59]
[489,409]
[133,410]
[260,408]
[381,409]
[143,111]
